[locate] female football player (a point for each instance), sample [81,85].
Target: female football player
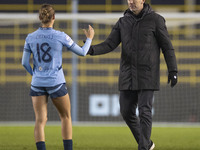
[45,44]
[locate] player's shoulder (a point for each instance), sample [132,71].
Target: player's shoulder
[61,35]
[30,35]
[58,32]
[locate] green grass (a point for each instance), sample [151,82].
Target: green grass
[99,138]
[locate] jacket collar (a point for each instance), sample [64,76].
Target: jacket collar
[146,10]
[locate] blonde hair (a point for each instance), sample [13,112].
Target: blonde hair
[46,13]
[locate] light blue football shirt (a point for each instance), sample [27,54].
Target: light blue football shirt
[46,45]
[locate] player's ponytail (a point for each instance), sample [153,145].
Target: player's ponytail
[46,13]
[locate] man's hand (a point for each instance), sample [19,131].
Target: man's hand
[173,78]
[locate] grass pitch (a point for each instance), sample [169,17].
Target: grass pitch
[100,138]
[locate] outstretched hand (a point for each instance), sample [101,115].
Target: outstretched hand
[89,33]
[173,78]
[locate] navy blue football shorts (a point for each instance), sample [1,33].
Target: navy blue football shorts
[56,91]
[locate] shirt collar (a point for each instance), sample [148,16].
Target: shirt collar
[45,28]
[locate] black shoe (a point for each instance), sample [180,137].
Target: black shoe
[151,146]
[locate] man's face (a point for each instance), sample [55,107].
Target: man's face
[135,5]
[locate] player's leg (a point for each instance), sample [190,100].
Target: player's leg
[128,105]
[145,100]
[40,109]
[63,106]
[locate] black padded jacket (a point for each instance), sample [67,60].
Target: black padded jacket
[142,38]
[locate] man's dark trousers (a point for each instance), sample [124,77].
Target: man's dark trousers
[140,127]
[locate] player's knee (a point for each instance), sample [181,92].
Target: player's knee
[41,120]
[65,116]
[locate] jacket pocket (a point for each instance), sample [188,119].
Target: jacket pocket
[144,60]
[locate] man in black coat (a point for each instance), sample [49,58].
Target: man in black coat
[142,33]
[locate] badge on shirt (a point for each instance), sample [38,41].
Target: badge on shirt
[40,68]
